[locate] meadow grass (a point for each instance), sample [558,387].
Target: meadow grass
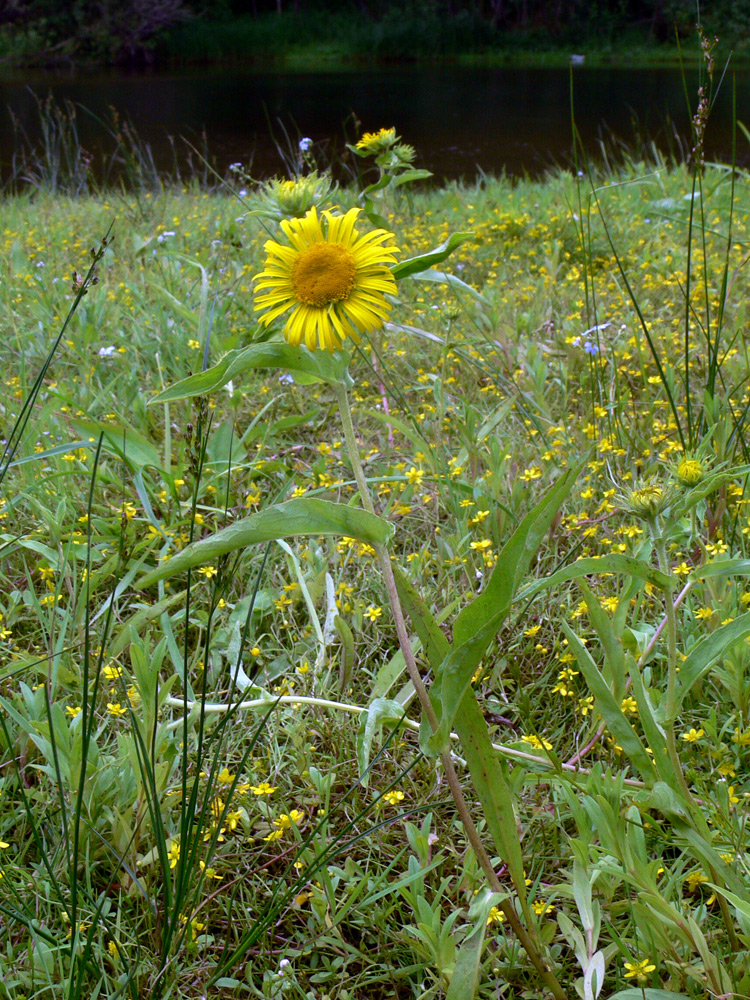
[157,841]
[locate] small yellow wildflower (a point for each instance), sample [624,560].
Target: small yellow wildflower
[392,798]
[693,735]
[373,613]
[285,820]
[541,907]
[538,742]
[638,970]
[263,788]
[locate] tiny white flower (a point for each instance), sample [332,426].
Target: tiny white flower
[107,352]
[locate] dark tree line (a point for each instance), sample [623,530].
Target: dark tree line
[124,30]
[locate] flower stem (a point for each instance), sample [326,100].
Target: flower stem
[522,933]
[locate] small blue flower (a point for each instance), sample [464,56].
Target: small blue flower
[591,348]
[304,144]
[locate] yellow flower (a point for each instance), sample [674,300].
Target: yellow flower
[690,471]
[541,907]
[373,613]
[377,142]
[285,820]
[638,970]
[334,280]
[692,735]
[392,798]
[538,742]
[263,789]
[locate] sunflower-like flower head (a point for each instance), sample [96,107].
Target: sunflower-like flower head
[282,198]
[648,499]
[333,280]
[373,143]
[690,470]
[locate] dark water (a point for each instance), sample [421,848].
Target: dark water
[460,120]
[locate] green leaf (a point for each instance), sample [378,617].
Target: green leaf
[648,994]
[706,652]
[708,486]
[427,260]
[654,733]
[59,449]
[402,883]
[614,654]
[599,565]
[513,563]
[453,682]
[489,775]
[465,978]
[307,367]
[302,516]
[434,642]
[742,905]
[610,709]
[726,567]
[488,772]
[409,176]
[380,712]
[445,278]
[128,444]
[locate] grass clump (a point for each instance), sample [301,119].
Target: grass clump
[214,781]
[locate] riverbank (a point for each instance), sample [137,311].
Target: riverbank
[298,43]
[329,39]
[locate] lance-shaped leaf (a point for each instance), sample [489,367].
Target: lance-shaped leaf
[306,366]
[512,563]
[648,993]
[609,708]
[488,773]
[302,516]
[614,562]
[704,654]
[425,261]
[465,978]
[380,712]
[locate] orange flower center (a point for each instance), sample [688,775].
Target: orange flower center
[322,274]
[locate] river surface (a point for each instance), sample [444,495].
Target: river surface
[462,121]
